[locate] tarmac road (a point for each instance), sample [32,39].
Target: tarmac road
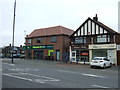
[54,74]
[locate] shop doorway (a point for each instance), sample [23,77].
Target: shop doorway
[38,54]
[57,55]
[73,57]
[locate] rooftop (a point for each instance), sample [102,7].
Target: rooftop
[56,30]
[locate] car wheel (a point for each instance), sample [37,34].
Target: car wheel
[104,66]
[110,65]
[91,66]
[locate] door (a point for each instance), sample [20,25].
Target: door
[38,54]
[73,56]
[57,55]
[111,55]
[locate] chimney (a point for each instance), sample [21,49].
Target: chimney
[10,45]
[95,18]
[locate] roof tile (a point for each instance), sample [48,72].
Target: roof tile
[57,30]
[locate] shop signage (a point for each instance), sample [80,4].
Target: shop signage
[38,47]
[118,47]
[103,46]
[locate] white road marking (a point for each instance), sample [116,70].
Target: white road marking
[18,69]
[92,75]
[17,77]
[69,71]
[9,64]
[42,80]
[23,69]
[32,69]
[99,86]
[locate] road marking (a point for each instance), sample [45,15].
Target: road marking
[32,69]
[99,86]
[17,77]
[18,69]
[23,69]
[9,64]
[51,79]
[43,80]
[69,72]
[92,75]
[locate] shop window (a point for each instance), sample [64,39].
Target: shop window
[50,52]
[39,40]
[54,39]
[80,40]
[29,41]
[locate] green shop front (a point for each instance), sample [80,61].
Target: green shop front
[40,52]
[103,50]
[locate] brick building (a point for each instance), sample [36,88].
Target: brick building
[94,39]
[50,43]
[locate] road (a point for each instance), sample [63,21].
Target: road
[54,74]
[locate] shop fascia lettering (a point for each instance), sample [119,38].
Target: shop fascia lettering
[38,47]
[104,46]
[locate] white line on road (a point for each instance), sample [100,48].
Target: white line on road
[9,64]
[43,80]
[99,86]
[17,77]
[69,72]
[92,75]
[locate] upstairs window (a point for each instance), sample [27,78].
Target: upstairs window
[39,40]
[53,39]
[103,38]
[29,41]
[80,40]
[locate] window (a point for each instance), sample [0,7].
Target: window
[103,39]
[80,40]
[54,39]
[29,41]
[38,40]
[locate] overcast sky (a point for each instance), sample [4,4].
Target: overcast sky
[34,14]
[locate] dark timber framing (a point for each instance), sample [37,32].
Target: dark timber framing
[100,25]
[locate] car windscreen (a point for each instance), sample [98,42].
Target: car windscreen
[97,58]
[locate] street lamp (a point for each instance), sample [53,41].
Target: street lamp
[13,30]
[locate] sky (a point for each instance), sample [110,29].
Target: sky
[35,14]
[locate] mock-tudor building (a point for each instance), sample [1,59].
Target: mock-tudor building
[94,39]
[50,43]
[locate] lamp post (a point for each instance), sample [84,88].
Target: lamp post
[13,30]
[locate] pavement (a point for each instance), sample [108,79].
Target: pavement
[55,74]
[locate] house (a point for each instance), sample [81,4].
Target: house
[50,43]
[94,39]
[17,51]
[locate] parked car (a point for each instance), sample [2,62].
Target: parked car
[22,56]
[1,56]
[100,62]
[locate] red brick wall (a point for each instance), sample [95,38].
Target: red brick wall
[61,44]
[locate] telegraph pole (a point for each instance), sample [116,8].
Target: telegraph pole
[13,30]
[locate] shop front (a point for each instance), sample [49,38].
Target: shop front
[40,52]
[103,50]
[79,55]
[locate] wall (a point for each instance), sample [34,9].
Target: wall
[61,44]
